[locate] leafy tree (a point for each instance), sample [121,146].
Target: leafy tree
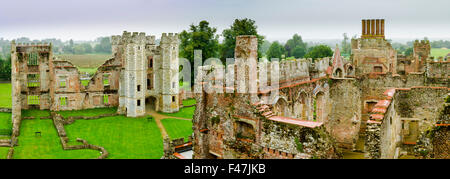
[239,27]
[295,42]
[319,51]
[299,52]
[345,45]
[5,67]
[408,51]
[276,50]
[200,37]
[265,47]
[104,46]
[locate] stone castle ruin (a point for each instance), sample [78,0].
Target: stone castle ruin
[377,102]
[141,76]
[374,103]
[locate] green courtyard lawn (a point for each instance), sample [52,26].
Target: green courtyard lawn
[5,95]
[5,120]
[178,128]
[122,137]
[189,102]
[3,152]
[88,112]
[187,113]
[439,52]
[35,113]
[85,82]
[48,145]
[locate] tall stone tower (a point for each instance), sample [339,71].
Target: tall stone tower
[149,73]
[169,73]
[131,49]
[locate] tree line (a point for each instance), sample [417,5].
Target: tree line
[204,37]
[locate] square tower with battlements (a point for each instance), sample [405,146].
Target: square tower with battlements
[149,75]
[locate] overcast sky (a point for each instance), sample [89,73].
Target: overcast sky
[276,19]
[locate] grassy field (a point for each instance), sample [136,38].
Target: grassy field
[5,120]
[84,82]
[5,95]
[439,52]
[187,113]
[91,71]
[122,137]
[189,102]
[48,145]
[177,128]
[88,112]
[3,152]
[86,60]
[35,113]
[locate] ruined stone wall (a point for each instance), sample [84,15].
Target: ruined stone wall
[280,140]
[390,132]
[373,55]
[227,125]
[344,119]
[66,84]
[423,103]
[439,70]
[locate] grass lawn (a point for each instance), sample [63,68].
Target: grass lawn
[5,120]
[85,82]
[189,102]
[91,71]
[187,113]
[178,128]
[88,112]
[5,95]
[439,52]
[35,113]
[3,152]
[48,146]
[122,137]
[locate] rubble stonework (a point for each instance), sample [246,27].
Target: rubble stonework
[343,100]
[139,73]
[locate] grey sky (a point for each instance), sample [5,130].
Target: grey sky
[276,19]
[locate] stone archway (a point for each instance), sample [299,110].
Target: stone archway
[151,103]
[319,106]
[300,107]
[339,73]
[350,71]
[281,108]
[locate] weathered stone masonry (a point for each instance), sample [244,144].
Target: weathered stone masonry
[140,72]
[362,99]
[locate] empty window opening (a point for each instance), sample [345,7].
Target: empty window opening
[32,59]
[106,79]
[63,101]
[138,102]
[33,100]
[377,69]
[105,99]
[244,131]
[150,62]
[138,87]
[32,80]
[173,99]
[62,82]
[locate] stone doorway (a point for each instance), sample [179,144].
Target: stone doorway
[151,103]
